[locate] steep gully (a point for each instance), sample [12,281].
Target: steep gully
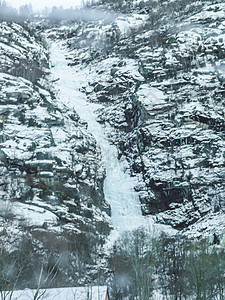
[118,185]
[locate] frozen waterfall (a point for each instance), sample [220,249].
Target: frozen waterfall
[118,185]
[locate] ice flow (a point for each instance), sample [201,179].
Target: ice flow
[118,185]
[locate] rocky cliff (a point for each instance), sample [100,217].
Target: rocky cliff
[51,182]
[159,68]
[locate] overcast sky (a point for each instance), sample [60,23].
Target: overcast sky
[39,4]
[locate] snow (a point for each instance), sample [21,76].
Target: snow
[5,48]
[150,95]
[127,23]
[78,293]
[20,45]
[118,185]
[59,135]
[157,295]
[130,68]
[33,214]
[212,12]
[212,223]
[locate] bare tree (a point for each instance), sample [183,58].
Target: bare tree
[133,263]
[9,275]
[44,280]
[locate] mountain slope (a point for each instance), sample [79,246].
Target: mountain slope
[52,203]
[160,74]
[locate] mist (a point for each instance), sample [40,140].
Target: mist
[9,13]
[39,5]
[84,14]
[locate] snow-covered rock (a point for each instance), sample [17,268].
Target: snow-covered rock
[163,89]
[51,183]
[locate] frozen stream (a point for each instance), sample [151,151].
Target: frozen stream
[118,185]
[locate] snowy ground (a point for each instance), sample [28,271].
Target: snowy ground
[76,293]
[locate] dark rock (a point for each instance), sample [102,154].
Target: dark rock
[3,158]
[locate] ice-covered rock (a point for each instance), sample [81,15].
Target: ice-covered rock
[163,88]
[51,181]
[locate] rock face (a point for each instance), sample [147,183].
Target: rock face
[49,146]
[51,182]
[21,52]
[161,74]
